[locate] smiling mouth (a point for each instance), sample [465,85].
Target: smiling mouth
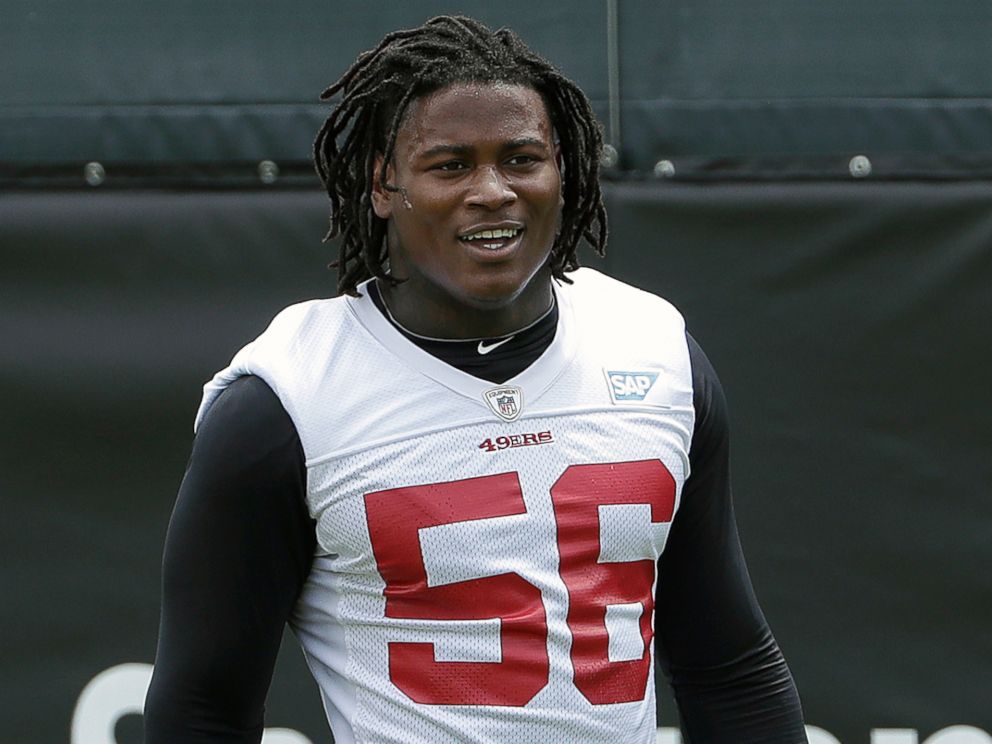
[493,239]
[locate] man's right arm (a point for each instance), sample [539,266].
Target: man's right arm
[238,550]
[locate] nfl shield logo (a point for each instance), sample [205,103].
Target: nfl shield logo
[506,402]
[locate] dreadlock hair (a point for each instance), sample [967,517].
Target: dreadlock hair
[407,65]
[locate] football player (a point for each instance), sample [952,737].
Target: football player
[487,489]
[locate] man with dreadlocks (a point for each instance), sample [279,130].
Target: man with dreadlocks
[487,489]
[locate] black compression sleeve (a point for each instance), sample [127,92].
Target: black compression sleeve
[731,683]
[238,550]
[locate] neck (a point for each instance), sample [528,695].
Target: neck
[446,318]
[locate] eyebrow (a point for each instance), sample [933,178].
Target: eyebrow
[455,149]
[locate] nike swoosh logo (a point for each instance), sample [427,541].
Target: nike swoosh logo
[484,349]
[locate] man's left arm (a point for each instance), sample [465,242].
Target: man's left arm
[731,682]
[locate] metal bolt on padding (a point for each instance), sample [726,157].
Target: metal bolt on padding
[664,169]
[860,166]
[268,172]
[610,157]
[94,173]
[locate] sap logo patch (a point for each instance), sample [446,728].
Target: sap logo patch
[629,386]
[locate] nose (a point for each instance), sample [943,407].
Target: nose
[490,189]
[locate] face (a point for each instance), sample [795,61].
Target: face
[476,214]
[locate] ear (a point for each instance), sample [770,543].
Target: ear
[382,198]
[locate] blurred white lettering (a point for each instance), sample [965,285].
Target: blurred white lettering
[960,735]
[817,735]
[120,691]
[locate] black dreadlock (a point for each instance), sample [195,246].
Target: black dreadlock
[410,64]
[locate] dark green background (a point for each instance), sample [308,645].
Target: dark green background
[122,82]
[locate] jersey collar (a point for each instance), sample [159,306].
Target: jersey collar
[534,381]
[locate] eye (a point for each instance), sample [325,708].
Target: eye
[522,159]
[450,166]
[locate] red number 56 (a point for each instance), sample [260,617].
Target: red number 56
[396,515]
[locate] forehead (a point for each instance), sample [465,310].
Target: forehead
[474,115]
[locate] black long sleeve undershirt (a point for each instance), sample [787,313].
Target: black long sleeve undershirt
[239,549]
[730,680]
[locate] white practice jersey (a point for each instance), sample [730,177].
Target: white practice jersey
[487,553]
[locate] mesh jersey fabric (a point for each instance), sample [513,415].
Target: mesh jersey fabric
[465,592]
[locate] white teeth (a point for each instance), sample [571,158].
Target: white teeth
[491,234]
